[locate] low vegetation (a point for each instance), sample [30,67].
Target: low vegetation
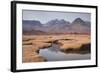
[68,43]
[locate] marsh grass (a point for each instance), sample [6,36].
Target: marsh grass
[69,43]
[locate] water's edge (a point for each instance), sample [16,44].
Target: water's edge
[54,53]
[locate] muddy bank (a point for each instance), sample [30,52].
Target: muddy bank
[30,53]
[84,49]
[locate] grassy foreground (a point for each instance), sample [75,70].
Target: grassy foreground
[67,43]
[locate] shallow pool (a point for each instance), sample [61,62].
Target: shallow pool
[53,53]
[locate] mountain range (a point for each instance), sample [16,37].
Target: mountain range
[56,26]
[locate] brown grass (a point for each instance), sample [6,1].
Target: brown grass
[32,44]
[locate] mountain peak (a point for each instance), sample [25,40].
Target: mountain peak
[57,22]
[78,21]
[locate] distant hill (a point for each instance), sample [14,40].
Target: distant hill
[56,26]
[56,22]
[31,24]
[79,26]
[36,32]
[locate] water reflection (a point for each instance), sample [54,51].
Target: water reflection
[54,53]
[54,48]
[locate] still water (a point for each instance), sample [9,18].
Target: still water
[53,53]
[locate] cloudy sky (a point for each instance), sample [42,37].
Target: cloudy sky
[45,16]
